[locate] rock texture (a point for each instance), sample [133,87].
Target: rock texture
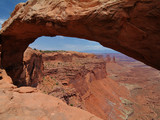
[81,80]
[129,26]
[32,68]
[143,83]
[110,59]
[0,55]
[26,103]
[65,56]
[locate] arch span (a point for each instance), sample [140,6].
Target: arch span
[129,26]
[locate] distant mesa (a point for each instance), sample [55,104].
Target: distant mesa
[110,59]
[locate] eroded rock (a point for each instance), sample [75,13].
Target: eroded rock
[81,81]
[131,27]
[26,103]
[32,68]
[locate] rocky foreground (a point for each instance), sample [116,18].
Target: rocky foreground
[27,103]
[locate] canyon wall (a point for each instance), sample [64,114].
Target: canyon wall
[30,103]
[27,103]
[143,83]
[65,56]
[0,55]
[32,68]
[81,80]
[129,26]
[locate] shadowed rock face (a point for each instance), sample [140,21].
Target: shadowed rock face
[131,27]
[32,69]
[0,55]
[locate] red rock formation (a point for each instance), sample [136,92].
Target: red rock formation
[83,82]
[5,77]
[29,103]
[0,55]
[114,59]
[129,26]
[65,56]
[143,83]
[33,68]
[108,59]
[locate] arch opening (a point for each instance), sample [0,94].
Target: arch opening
[47,50]
[59,43]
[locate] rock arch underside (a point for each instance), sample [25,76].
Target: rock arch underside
[131,27]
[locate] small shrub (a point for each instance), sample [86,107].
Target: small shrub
[71,104]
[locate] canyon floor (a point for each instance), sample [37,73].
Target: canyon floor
[142,81]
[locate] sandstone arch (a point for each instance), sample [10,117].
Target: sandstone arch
[131,27]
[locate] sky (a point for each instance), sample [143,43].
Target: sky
[53,43]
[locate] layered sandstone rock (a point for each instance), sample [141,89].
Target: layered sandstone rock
[143,83]
[110,59]
[82,82]
[32,69]
[129,26]
[26,103]
[65,56]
